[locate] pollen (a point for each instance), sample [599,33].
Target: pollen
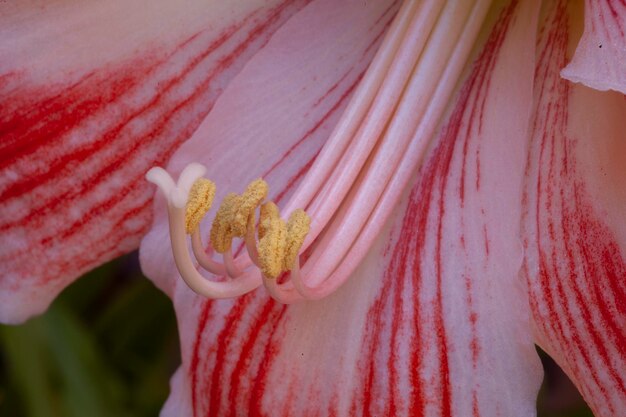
[221,230]
[272,246]
[268,211]
[255,193]
[297,229]
[199,202]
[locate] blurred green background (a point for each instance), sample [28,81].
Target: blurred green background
[108,346]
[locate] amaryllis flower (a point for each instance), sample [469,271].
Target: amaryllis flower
[465,199]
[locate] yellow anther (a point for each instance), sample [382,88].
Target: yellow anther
[297,229]
[221,230]
[268,211]
[272,246]
[253,196]
[199,202]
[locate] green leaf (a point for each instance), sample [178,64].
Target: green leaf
[88,386]
[107,347]
[27,370]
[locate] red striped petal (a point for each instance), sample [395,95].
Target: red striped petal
[435,321]
[600,58]
[92,95]
[575,234]
[449,335]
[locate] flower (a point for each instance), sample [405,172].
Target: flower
[441,316]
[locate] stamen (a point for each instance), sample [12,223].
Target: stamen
[203,258]
[269,210]
[232,270]
[251,198]
[297,229]
[221,231]
[251,240]
[272,246]
[286,292]
[198,203]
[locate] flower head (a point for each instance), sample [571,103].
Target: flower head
[465,202]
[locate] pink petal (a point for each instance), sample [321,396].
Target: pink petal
[600,58]
[92,95]
[575,233]
[435,321]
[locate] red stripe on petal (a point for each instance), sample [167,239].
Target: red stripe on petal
[203,319]
[419,277]
[575,263]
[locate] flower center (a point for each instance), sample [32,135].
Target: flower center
[355,182]
[275,252]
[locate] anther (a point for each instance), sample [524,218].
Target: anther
[269,210]
[221,230]
[272,246]
[248,201]
[250,240]
[199,202]
[297,229]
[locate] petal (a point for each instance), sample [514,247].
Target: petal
[435,321]
[276,114]
[600,58]
[92,95]
[574,228]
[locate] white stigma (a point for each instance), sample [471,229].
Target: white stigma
[189,175]
[176,193]
[159,177]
